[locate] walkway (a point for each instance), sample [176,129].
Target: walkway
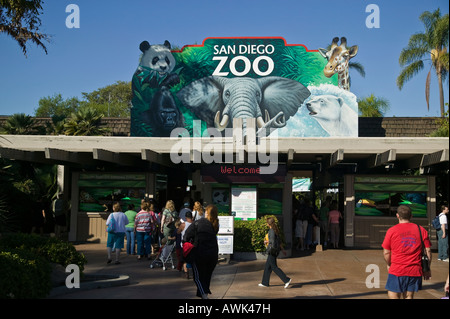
[329,274]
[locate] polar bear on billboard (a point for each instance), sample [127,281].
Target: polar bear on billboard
[329,112]
[334,115]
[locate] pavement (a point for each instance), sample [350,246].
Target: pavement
[328,274]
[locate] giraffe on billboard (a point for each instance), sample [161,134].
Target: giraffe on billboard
[338,57]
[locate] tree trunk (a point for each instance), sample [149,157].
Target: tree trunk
[441,94]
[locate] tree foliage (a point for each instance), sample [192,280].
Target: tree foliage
[20,20]
[443,123]
[373,106]
[56,105]
[112,100]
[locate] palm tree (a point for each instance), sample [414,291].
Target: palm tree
[372,106]
[56,125]
[85,122]
[19,124]
[433,43]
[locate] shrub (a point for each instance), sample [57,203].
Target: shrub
[249,235]
[26,258]
[24,275]
[52,249]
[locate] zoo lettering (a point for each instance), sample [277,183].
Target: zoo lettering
[248,65]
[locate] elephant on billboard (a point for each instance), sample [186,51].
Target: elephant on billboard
[270,100]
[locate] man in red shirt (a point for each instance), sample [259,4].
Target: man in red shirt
[403,254]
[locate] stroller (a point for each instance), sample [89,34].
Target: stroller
[164,255]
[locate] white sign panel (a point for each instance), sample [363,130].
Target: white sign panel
[225,244]
[226,225]
[243,203]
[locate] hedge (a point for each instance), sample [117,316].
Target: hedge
[26,259]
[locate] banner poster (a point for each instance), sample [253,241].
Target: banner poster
[288,88]
[244,203]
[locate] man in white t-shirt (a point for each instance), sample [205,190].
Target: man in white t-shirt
[183,212]
[442,234]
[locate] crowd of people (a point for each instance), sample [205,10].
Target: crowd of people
[148,231]
[314,226]
[197,228]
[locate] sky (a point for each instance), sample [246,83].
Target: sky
[105,47]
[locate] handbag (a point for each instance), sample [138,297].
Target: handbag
[190,247]
[187,250]
[425,261]
[274,250]
[112,225]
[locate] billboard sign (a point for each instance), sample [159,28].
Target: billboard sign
[284,87]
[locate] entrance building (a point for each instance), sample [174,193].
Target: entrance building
[366,174]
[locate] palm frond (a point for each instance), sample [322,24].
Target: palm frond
[427,89]
[408,72]
[411,55]
[358,67]
[442,32]
[444,61]
[429,18]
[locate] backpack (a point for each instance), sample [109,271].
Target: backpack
[112,225]
[58,207]
[170,218]
[436,223]
[276,247]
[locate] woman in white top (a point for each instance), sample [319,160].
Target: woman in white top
[116,236]
[197,211]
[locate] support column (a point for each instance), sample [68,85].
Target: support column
[349,210]
[287,212]
[75,195]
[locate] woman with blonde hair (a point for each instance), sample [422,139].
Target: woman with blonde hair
[203,235]
[197,211]
[117,219]
[169,216]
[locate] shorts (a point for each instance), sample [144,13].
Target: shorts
[300,228]
[115,240]
[400,284]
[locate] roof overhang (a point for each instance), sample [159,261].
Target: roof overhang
[370,152]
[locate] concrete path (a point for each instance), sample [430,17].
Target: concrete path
[329,274]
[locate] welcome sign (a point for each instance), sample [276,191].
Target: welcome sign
[282,86]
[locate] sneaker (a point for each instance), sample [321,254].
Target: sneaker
[261,285]
[287,284]
[446,260]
